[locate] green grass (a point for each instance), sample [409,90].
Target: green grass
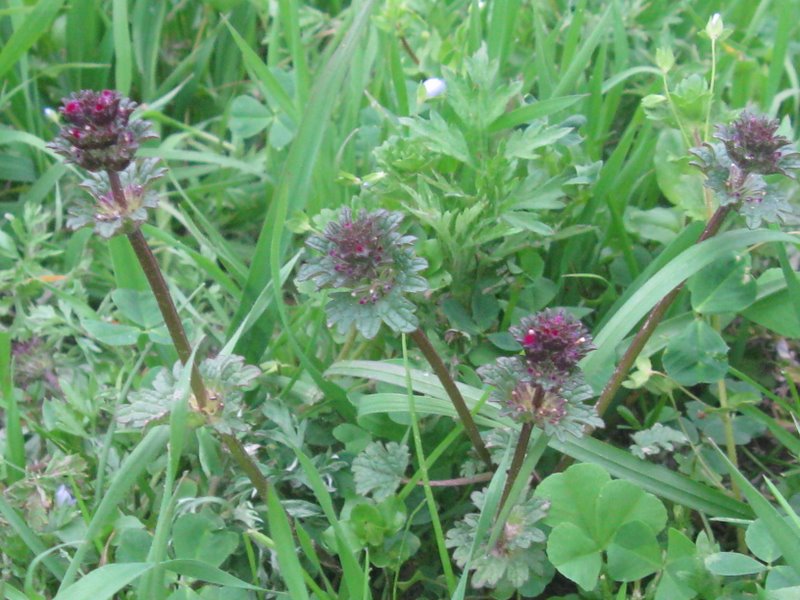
[549,174]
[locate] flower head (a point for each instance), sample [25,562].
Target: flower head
[753,146]
[370,265]
[543,385]
[99,133]
[735,168]
[554,341]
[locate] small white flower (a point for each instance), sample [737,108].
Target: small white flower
[434,87]
[715,26]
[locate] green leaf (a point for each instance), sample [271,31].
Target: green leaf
[522,144]
[698,355]
[723,286]
[635,552]
[203,537]
[138,306]
[379,469]
[620,502]
[104,582]
[36,24]
[439,136]
[774,308]
[681,183]
[731,564]
[574,554]
[677,577]
[760,542]
[594,514]
[111,333]
[248,117]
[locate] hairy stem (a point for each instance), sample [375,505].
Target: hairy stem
[435,361]
[652,321]
[184,349]
[516,461]
[168,311]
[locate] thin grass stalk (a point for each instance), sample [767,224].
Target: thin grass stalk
[435,361]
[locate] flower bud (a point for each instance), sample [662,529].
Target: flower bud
[715,27]
[99,134]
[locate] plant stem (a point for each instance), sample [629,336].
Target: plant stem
[519,457]
[176,331]
[435,361]
[168,311]
[652,321]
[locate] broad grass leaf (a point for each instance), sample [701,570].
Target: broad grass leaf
[104,582]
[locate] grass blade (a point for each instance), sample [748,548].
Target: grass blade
[15,442]
[620,463]
[281,532]
[130,470]
[123,61]
[104,582]
[36,24]
[353,576]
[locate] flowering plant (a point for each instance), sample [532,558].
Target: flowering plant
[543,385]
[735,166]
[370,266]
[102,136]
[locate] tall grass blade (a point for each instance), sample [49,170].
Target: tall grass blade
[14,451]
[130,470]
[36,24]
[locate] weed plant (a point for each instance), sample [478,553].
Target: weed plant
[224,221]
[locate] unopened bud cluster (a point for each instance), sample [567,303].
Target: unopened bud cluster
[369,265]
[735,166]
[101,135]
[543,384]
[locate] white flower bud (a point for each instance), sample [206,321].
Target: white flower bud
[434,87]
[715,26]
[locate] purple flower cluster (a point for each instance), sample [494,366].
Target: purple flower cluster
[358,255]
[735,167]
[543,384]
[753,146]
[553,342]
[99,134]
[369,266]
[363,253]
